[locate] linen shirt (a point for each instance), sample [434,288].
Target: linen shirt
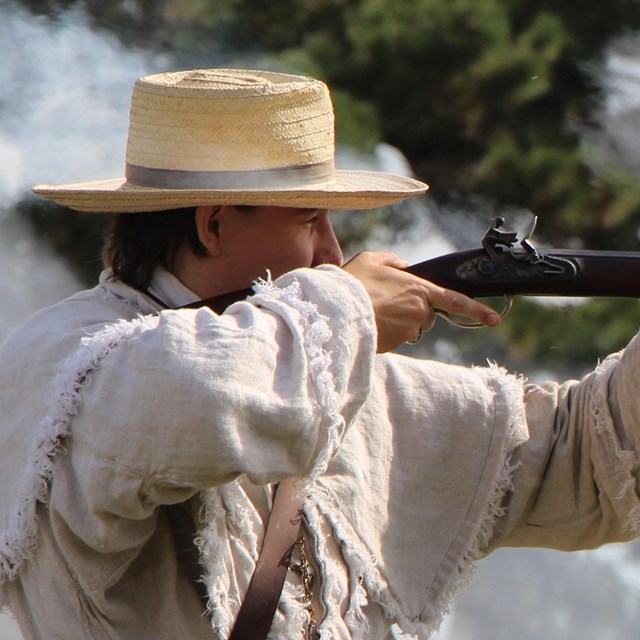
[117,415]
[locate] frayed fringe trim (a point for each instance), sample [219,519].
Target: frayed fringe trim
[626,461]
[19,540]
[508,392]
[509,401]
[214,554]
[291,619]
[222,519]
[367,582]
[354,617]
[212,540]
[109,296]
[316,332]
[365,576]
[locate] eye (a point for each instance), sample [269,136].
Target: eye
[313,217]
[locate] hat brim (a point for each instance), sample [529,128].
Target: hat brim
[349,190]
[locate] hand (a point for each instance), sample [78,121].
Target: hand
[404,304]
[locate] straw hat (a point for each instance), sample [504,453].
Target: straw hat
[230,136]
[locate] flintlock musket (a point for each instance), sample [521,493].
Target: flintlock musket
[505,266]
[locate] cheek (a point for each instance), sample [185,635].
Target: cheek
[278,249]
[294,259]
[293,254]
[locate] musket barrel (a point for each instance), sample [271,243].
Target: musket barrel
[603,273]
[550,273]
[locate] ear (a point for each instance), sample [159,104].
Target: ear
[208,226]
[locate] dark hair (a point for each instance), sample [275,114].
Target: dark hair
[136,243]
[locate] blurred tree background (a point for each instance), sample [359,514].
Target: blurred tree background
[495,103]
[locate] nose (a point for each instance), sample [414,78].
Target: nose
[327,248]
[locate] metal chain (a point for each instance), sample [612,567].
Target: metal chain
[305,570]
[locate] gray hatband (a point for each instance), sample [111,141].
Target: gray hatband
[283,177]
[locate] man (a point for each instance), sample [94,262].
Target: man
[132,430]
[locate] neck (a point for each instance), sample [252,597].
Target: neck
[199,274]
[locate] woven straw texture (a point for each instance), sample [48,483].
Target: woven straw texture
[223,125]
[229,136]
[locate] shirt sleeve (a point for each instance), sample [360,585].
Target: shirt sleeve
[192,400]
[575,485]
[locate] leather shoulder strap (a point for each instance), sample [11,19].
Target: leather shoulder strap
[261,600]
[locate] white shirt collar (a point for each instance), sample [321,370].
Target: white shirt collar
[170,290]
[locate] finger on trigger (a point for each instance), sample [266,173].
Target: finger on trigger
[461,305]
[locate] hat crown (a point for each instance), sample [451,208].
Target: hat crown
[230,120]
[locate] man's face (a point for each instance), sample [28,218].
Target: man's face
[279,239]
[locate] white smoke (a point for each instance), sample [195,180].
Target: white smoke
[65,93]
[616,142]
[64,99]
[31,276]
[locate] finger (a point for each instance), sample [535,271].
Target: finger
[384,258]
[458,304]
[392,260]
